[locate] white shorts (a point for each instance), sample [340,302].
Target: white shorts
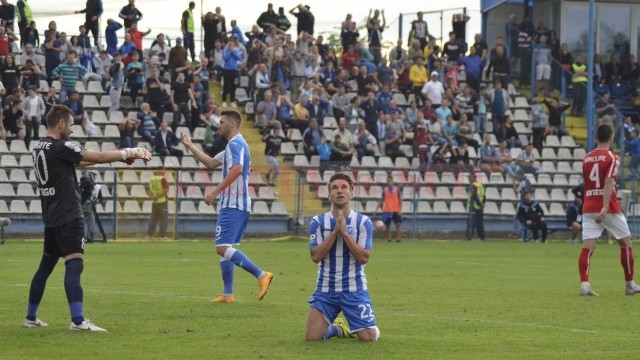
[616,225]
[543,72]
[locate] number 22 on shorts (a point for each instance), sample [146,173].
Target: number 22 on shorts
[363,311]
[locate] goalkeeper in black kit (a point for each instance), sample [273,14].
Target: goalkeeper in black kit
[55,159]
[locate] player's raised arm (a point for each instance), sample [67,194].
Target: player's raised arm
[127,155]
[208,161]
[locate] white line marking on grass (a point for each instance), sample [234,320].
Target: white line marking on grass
[516,324]
[167,295]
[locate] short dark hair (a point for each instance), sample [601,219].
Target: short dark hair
[604,133]
[57,113]
[341,176]
[234,116]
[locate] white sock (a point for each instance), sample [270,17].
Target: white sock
[262,275]
[630,283]
[585,284]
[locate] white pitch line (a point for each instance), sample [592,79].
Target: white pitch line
[303,305]
[517,324]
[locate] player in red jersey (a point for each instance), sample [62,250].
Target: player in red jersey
[602,211]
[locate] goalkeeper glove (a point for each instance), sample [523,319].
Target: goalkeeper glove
[130,154]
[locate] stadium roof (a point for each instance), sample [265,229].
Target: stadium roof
[488,5]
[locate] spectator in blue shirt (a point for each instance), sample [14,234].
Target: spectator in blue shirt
[324,149]
[283,114]
[231,57]
[52,49]
[311,139]
[632,146]
[384,98]
[473,66]
[383,75]
[371,108]
[111,36]
[443,112]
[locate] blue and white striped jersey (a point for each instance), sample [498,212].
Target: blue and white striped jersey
[340,271]
[236,195]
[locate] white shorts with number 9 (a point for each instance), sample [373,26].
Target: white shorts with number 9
[616,225]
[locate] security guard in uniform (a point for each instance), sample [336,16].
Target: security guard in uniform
[475,204]
[158,191]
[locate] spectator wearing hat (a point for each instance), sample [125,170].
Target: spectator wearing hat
[178,59]
[531,215]
[433,90]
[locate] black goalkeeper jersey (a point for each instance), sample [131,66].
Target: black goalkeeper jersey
[53,162]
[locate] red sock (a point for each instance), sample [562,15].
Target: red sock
[584,262]
[626,259]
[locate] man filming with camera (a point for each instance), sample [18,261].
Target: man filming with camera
[90,195]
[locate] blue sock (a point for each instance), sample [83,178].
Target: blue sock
[332,331]
[227,268]
[47,264]
[240,259]
[73,289]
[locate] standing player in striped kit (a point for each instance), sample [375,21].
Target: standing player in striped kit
[601,210]
[235,204]
[340,243]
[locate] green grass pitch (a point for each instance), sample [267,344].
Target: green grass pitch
[433,300]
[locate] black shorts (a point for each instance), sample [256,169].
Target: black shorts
[13,128]
[65,239]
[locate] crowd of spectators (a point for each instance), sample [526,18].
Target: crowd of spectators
[297,81]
